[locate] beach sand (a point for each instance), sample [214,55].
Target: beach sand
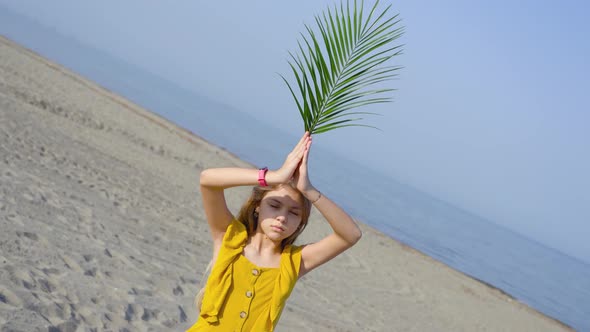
[102,228]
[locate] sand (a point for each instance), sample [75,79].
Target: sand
[102,228]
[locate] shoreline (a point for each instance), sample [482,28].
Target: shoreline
[500,292]
[418,296]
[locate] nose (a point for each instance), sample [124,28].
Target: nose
[282,217]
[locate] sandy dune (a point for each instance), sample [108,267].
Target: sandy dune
[102,228]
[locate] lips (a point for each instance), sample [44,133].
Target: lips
[277,228]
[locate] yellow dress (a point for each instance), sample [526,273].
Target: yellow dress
[240,296]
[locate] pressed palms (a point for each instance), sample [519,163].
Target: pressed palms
[336,67]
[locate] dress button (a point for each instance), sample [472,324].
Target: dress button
[248,294]
[255,272]
[243,314]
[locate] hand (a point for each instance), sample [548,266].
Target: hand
[293,160]
[301,177]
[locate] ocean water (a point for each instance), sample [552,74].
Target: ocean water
[547,280]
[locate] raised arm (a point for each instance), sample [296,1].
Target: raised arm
[215,180]
[345,231]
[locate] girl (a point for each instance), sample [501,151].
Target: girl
[256,264]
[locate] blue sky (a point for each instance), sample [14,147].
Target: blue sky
[491,112]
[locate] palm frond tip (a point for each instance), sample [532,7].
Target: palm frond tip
[334,73]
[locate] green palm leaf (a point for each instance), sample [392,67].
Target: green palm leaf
[336,68]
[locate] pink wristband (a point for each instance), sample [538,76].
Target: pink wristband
[261,176]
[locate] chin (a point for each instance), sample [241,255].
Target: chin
[273,236]
[276,237]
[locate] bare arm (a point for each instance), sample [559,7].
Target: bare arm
[345,231]
[345,234]
[213,183]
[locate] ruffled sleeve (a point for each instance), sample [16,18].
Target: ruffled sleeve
[285,282]
[220,279]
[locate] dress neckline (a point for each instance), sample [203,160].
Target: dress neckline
[262,268]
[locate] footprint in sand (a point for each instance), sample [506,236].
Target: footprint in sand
[68,326]
[104,193]
[34,237]
[28,235]
[52,272]
[46,285]
[182,314]
[20,277]
[15,219]
[71,263]
[140,291]
[92,272]
[177,291]
[9,298]
[149,314]
[131,312]
[7,175]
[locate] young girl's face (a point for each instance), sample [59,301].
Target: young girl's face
[279,213]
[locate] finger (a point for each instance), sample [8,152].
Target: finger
[306,153]
[303,164]
[302,140]
[300,149]
[295,151]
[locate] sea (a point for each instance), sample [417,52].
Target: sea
[553,283]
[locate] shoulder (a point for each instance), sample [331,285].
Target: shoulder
[291,258]
[235,237]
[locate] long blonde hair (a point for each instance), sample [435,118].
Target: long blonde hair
[249,218]
[201,293]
